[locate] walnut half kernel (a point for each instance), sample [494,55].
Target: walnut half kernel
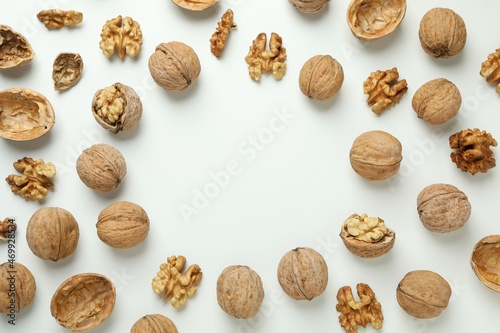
[35,181]
[123,35]
[6,227]
[224,28]
[57,18]
[273,60]
[473,153]
[384,90]
[490,69]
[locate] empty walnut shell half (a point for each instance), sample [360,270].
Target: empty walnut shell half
[24,114]
[195,5]
[83,301]
[155,323]
[24,285]
[485,261]
[15,50]
[309,6]
[117,108]
[437,101]
[66,70]
[321,78]
[374,19]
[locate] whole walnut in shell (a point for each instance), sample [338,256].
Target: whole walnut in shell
[485,261]
[376,155]
[239,291]
[123,225]
[155,323]
[174,66]
[442,33]
[437,101]
[303,274]
[15,50]
[52,233]
[309,6]
[321,78]
[101,167]
[24,285]
[195,5]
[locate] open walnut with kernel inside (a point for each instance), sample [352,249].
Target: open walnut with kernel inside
[473,153]
[273,60]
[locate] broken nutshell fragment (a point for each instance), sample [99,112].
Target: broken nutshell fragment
[123,35]
[485,261]
[384,90]
[490,69]
[219,38]
[66,70]
[35,181]
[473,153]
[15,50]
[273,60]
[57,18]
[6,227]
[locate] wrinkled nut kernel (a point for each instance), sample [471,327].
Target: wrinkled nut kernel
[57,18]
[384,90]
[423,294]
[35,181]
[155,323]
[473,153]
[124,36]
[15,50]
[442,33]
[67,70]
[25,114]
[101,167]
[309,6]
[303,274]
[240,292]
[224,28]
[367,229]
[6,227]
[195,5]
[437,101]
[321,78]
[273,60]
[83,301]
[485,261]
[374,19]
[443,208]
[174,66]
[353,313]
[24,285]
[376,155]
[178,286]
[117,108]
[490,69]
[52,233]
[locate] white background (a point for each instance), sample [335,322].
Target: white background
[296,191]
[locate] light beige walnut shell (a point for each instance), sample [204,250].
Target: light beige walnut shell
[195,5]
[15,50]
[83,301]
[303,273]
[66,70]
[25,114]
[309,6]
[437,101]
[155,323]
[485,261]
[24,284]
[52,233]
[239,291]
[101,167]
[321,78]
[374,19]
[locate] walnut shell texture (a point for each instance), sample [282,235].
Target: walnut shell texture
[101,167]
[83,301]
[442,33]
[303,273]
[15,50]
[52,233]
[25,114]
[66,70]
[24,283]
[485,261]
[239,291]
[309,6]
[321,78]
[376,155]
[423,294]
[174,66]
[437,101]
[155,323]
[195,5]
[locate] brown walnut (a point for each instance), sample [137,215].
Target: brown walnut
[473,153]
[485,261]
[490,69]
[66,70]
[384,90]
[24,284]
[57,18]
[155,323]
[195,5]
[219,37]
[321,78]
[273,60]
[15,50]
[35,181]
[437,101]
[123,35]
[309,6]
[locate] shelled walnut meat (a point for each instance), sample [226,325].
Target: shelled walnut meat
[117,108]
[261,60]
[35,181]
[359,313]
[490,69]
[57,18]
[123,35]
[195,5]
[437,101]
[22,282]
[15,50]
[485,261]
[321,78]
[220,36]
[309,6]
[83,301]
[384,90]
[155,323]
[67,70]
[25,114]
[472,150]
[6,227]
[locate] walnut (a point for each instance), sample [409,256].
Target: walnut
[376,155]
[24,285]
[24,114]
[57,18]
[423,294]
[473,153]
[374,19]
[442,33]
[485,261]
[367,310]
[123,35]
[15,50]
[384,90]
[219,38]
[6,227]
[35,181]
[443,208]
[155,323]
[66,70]
[174,66]
[178,286]
[437,101]
[259,60]
[309,6]
[321,78]
[490,69]
[123,225]
[101,167]
[83,301]
[240,292]
[195,5]
[52,233]
[117,108]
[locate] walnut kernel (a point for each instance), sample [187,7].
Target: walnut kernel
[224,28]
[473,153]
[437,101]
[309,6]
[123,35]
[6,227]
[195,5]
[485,261]
[155,323]
[259,60]
[490,69]
[384,90]
[321,78]
[57,18]
[15,50]
[24,283]
[67,70]
[353,313]
[35,181]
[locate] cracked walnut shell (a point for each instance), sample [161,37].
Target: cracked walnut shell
[35,181]
[321,78]
[123,35]
[309,6]
[354,313]
[490,69]
[57,18]
[273,60]
[23,284]
[224,28]
[374,19]
[437,101]
[485,261]
[195,5]
[384,90]
[67,70]
[473,153]
[83,301]
[15,50]
[155,323]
